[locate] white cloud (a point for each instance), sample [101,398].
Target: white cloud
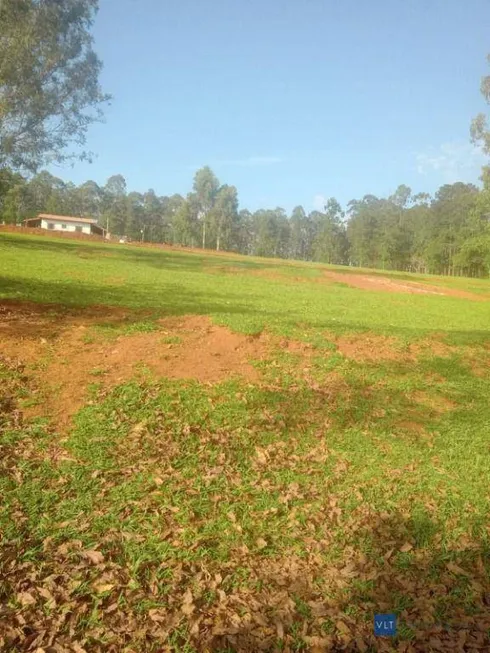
[452,161]
[319,202]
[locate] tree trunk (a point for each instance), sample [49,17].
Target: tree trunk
[217,242]
[204,233]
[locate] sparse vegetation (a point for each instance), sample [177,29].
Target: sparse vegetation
[347,475]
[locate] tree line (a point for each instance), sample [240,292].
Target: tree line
[50,95]
[447,233]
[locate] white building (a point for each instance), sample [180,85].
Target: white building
[87,226]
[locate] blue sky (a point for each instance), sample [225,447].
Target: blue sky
[290,100]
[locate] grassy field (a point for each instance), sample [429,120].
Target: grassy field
[274,503]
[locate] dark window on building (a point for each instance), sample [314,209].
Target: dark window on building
[79,229]
[50,225]
[63,226]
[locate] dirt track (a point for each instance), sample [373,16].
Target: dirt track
[386,284]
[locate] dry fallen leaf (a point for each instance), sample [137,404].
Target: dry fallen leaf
[46,594]
[188,598]
[96,557]
[343,628]
[261,543]
[157,615]
[261,456]
[361,646]
[188,606]
[388,554]
[25,598]
[349,571]
[318,643]
[406,547]
[104,587]
[222,596]
[436,643]
[279,630]
[138,428]
[77,648]
[456,569]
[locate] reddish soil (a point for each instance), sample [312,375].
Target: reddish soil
[411,426]
[64,355]
[378,282]
[64,359]
[436,403]
[370,347]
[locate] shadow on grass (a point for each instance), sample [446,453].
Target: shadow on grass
[192,261]
[172,298]
[176,299]
[441,598]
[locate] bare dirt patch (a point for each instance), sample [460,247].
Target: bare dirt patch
[436,403]
[277,275]
[264,273]
[411,426]
[27,319]
[371,347]
[65,360]
[380,283]
[274,275]
[296,347]
[479,363]
[433,346]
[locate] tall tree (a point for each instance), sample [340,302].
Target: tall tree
[244,233]
[153,217]
[49,89]
[401,197]
[450,214]
[15,204]
[363,231]
[480,130]
[297,243]
[8,181]
[272,232]
[184,224]
[224,215]
[206,186]
[330,243]
[135,216]
[169,207]
[88,199]
[45,189]
[115,205]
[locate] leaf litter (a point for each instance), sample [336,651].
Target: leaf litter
[229,533]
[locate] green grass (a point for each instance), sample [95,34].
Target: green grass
[274,515]
[177,283]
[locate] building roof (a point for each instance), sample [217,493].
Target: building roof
[65,218]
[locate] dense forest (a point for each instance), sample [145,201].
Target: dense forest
[448,233]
